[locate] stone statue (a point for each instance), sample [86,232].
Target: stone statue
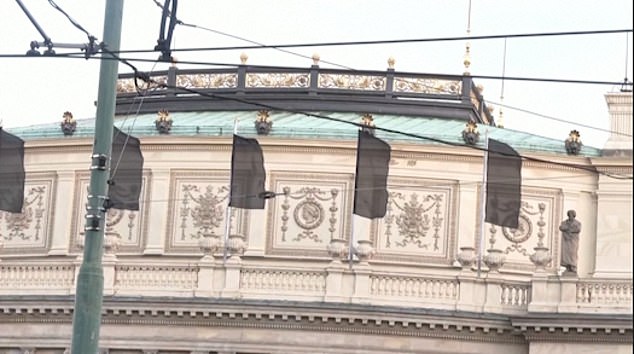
[570,229]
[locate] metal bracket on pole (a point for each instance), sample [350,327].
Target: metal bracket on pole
[92,222]
[99,162]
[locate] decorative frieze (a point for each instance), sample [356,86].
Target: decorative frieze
[427,86]
[277,80]
[352,82]
[203,81]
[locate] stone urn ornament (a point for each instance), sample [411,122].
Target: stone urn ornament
[209,244]
[364,250]
[494,259]
[337,249]
[466,257]
[236,245]
[541,258]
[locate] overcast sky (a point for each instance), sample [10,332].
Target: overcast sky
[39,90]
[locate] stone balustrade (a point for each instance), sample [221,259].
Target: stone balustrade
[43,277]
[372,284]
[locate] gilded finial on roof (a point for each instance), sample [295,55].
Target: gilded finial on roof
[243,58]
[467,59]
[500,120]
[316,58]
[390,62]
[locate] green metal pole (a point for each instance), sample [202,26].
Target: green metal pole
[89,295]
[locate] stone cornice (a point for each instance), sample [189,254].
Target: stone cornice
[329,317]
[593,328]
[323,317]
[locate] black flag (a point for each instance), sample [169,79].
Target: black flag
[370,186]
[126,171]
[247,174]
[11,172]
[504,183]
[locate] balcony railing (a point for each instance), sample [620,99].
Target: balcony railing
[337,87]
[328,282]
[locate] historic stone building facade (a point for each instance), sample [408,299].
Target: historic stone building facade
[285,285]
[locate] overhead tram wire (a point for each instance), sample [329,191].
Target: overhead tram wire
[489,77]
[557,119]
[390,41]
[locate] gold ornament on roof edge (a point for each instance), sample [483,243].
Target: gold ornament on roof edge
[573,144]
[163,122]
[68,123]
[368,121]
[263,123]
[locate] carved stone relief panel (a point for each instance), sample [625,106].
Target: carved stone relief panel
[128,226]
[29,232]
[419,225]
[315,208]
[198,207]
[537,226]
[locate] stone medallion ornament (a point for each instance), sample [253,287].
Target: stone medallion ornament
[308,214]
[521,233]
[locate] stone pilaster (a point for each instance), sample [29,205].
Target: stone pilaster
[155,242]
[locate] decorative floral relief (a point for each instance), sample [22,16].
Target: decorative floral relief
[352,82]
[419,223]
[198,209]
[414,220]
[123,225]
[207,80]
[433,86]
[205,208]
[28,228]
[128,85]
[278,80]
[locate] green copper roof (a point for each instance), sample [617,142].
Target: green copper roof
[296,125]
